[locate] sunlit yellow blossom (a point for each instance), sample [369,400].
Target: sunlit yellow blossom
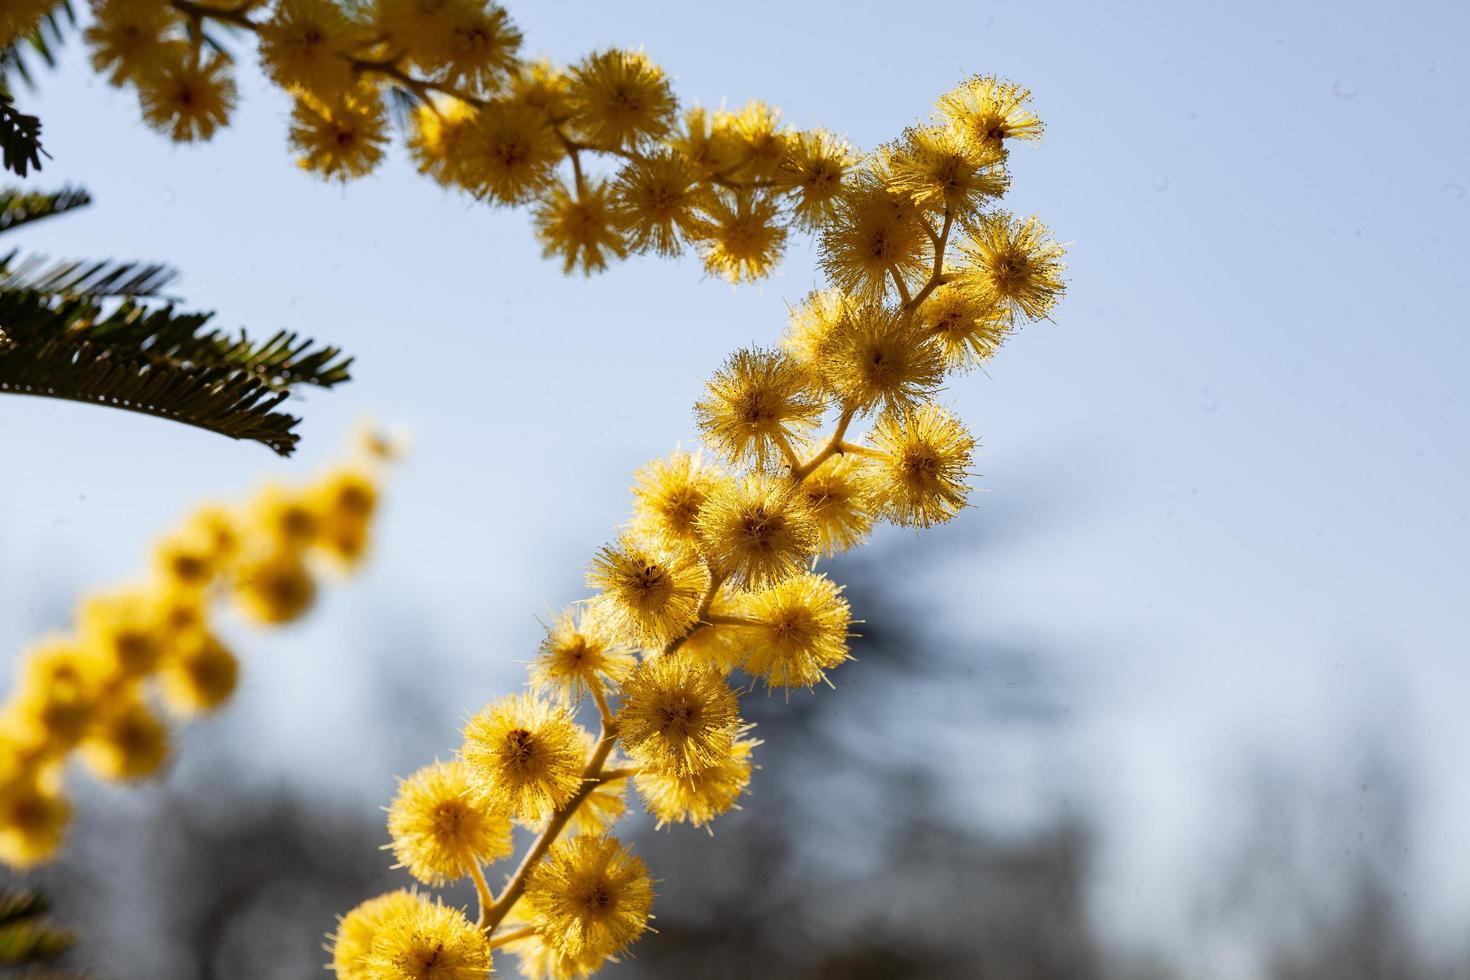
[33,821]
[742,236]
[341,137]
[126,742]
[418,28]
[762,143]
[969,329]
[477,47]
[647,593]
[352,943]
[1013,263]
[430,942]
[199,675]
[580,651]
[988,111]
[57,694]
[130,38]
[285,516]
[706,142]
[699,797]
[810,326]
[537,958]
[305,44]
[275,588]
[591,896]
[836,493]
[186,560]
[122,630]
[756,405]
[600,808]
[920,478]
[874,235]
[348,495]
[579,228]
[182,613]
[815,166]
[544,86]
[524,756]
[19,17]
[510,152]
[758,530]
[618,99]
[881,356]
[658,198]
[677,715]
[714,647]
[219,526]
[440,827]
[187,96]
[803,632]
[667,495]
[346,542]
[939,170]
[440,138]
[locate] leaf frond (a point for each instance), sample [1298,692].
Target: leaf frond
[18,207]
[20,138]
[84,278]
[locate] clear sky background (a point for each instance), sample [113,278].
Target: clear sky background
[1228,489]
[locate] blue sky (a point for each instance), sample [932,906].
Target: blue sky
[1228,486]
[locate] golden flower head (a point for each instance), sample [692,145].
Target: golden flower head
[440,826]
[1013,264]
[677,715]
[510,153]
[756,405]
[538,959]
[127,742]
[275,588]
[524,756]
[667,495]
[699,797]
[581,651]
[476,46]
[761,143]
[815,168]
[419,28]
[187,96]
[706,141]
[881,356]
[836,492]
[658,199]
[199,675]
[305,44]
[579,227]
[591,897]
[919,480]
[758,530]
[741,235]
[220,527]
[542,85]
[33,819]
[287,518]
[941,171]
[131,40]
[346,493]
[352,943]
[986,111]
[441,135]
[874,234]
[647,593]
[122,630]
[57,695]
[811,324]
[618,99]
[600,808]
[431,941]
[969,329]
[187,559]
[802,633]
[342,137]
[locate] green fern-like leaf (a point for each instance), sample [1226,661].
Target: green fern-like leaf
[20,138]
[26,936]
[83,278]
[19,207]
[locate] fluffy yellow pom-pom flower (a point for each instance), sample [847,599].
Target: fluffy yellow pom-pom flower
[580,228]
[811,324]
[802,632]
[667,495]
[510,152]
[305,45]
[816,166]
[57,696]
[919,480]
[340,137]
[591,897]
[618,99]
[1013,263]
[741,235]
[187,96]
[33,820]
[199,675]
[969,329]
[658,200]
[677,715]
[874,234]
[440,827]
[758,530]
[130,38]
[836,492]
[647,593]
[581,651]
[122,630]
[127,742]
[699,797]
[987,111]
[440,138]
[524,756]
[881,356]
[756,405]
[431,941]
[941,171]
[352,943]
[275,588]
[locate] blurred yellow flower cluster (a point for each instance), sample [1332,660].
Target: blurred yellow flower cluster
[97,691]
[483,119]
[715,574]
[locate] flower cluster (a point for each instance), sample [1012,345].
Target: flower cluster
[97,690]
[714,576]
[484,120]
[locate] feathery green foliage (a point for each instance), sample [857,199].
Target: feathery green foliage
[20,138]
[86,331]
[27,937]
